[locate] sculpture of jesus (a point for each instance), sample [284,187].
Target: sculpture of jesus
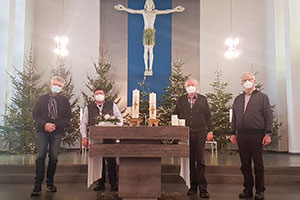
[149,14]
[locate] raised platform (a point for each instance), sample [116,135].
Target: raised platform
[72,168]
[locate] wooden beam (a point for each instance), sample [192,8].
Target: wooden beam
[161,132]
[139,150]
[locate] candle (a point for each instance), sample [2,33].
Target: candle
[152,106]
[80,114]
[230,115]
[135,103]
[174,120]
[181,122]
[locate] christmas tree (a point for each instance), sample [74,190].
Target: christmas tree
[72,132]
[18,131]
[275,123]
[144,101]
[101,79]
[219,102]
[174,90]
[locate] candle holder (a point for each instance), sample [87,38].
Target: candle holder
[135,122]
[152,122]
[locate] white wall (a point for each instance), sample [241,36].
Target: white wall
[249,25]
[292,7]
[4,27]
[81,26]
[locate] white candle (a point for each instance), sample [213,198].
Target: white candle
[230,115]
[174,120]
[181,122]
[152,106]
[80,114]
[135,103]
[152,98]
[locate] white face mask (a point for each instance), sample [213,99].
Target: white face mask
[56,89]
[191,89]
[99,97]
[248,85]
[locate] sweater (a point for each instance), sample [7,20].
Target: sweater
[197,118]
[257,116]
[40,113]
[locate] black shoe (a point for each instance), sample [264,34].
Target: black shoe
[99,187]
[246,194]
[204,194]
[51,188]
[192,191]
[36,191]
[114,188]
[259,196]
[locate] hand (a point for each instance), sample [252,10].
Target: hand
[85,142]
[50,127]
[233,139]
[179,9]
[119,7]
[210,136]
[266,140]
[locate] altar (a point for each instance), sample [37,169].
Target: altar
[140,151]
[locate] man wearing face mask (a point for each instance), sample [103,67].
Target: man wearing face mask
[101,107]
[194,108]
[251,129]
[52,113]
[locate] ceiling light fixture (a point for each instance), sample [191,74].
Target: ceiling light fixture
[61,41]
[231,43]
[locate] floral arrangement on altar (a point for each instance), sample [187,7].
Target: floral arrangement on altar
[106,120]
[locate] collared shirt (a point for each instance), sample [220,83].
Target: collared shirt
[247,99]
[84,124]
[192,100]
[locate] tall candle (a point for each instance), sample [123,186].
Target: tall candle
[152,106]
[135,103]
[80,114]
[230,115]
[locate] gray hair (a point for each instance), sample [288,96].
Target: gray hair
[58,78]
[191,79]
[246,73]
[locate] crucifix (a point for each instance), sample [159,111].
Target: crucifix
[149,14]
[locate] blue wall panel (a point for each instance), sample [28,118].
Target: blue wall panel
[162,49]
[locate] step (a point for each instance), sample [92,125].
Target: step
[68,168]
[238,179]
[29,177]
[71,178]
[170,174]
[269,170]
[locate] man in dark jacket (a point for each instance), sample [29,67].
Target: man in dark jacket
[101,107]
[251,128]
[52,113]
[194,108]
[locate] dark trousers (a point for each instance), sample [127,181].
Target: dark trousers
[250,147]
[45,140]
[197,164]
[110,165]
